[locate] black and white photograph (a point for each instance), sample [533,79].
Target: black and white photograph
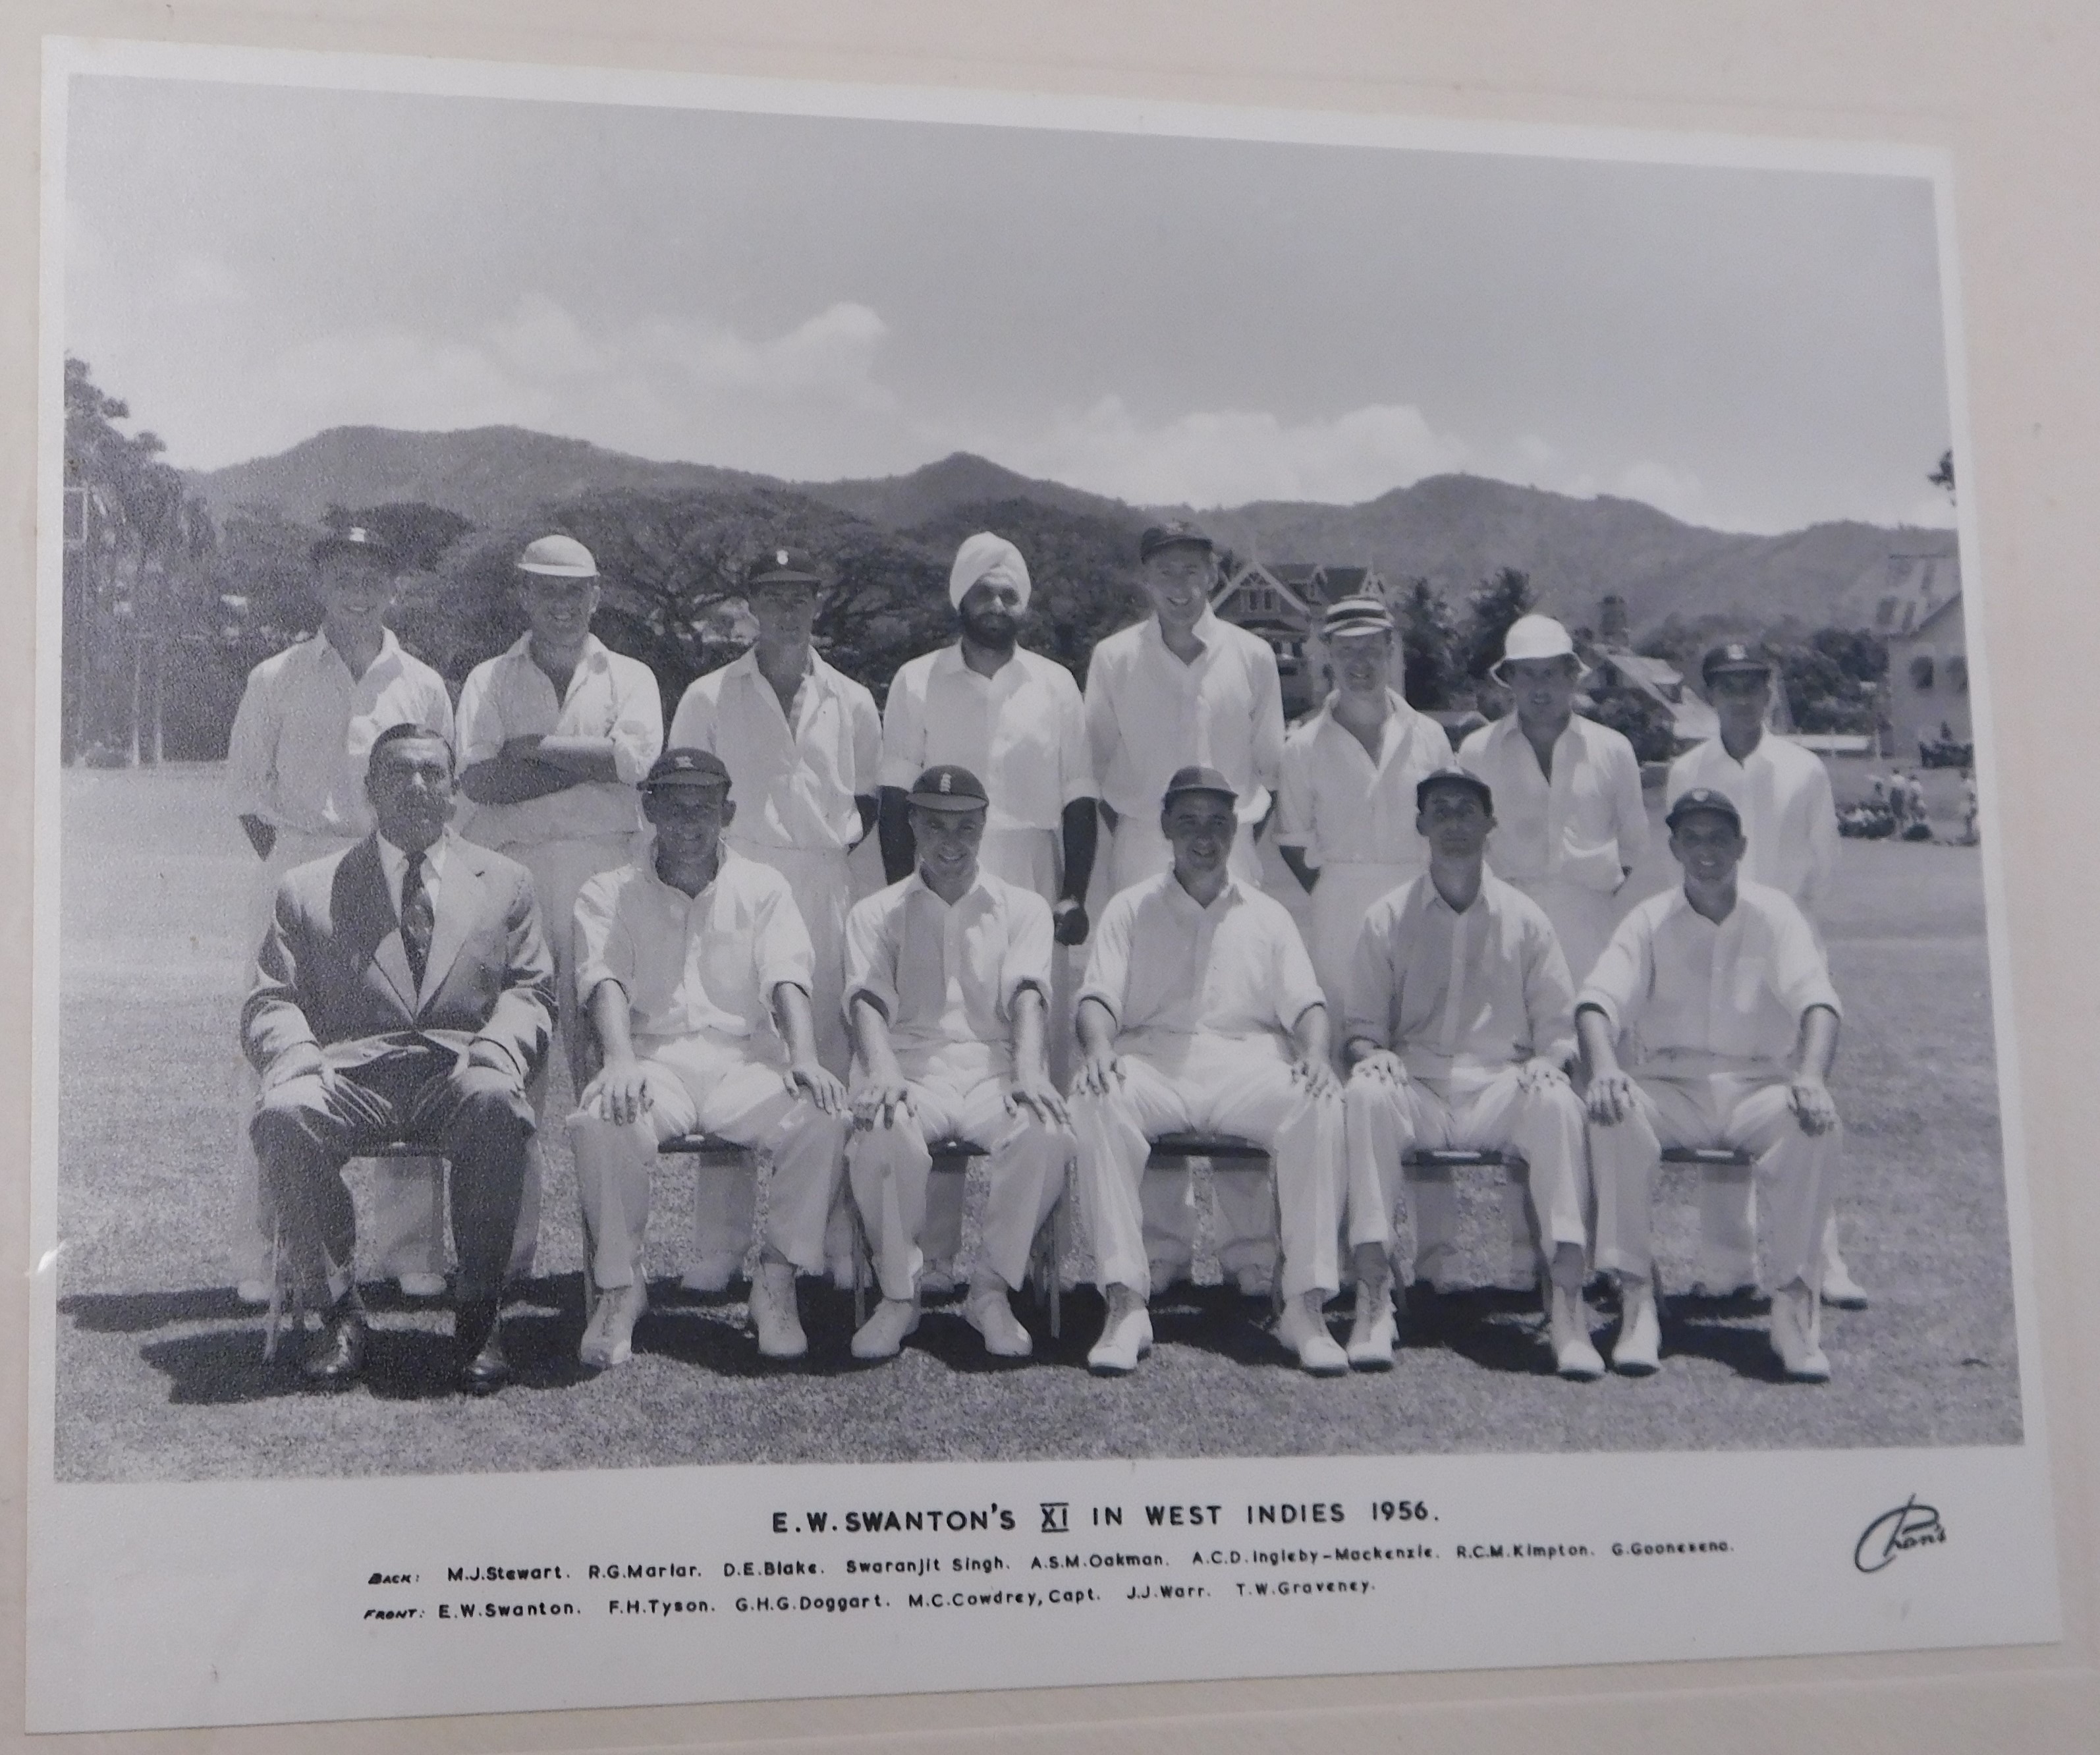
[788,794]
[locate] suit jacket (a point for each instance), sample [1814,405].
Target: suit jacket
[332,980]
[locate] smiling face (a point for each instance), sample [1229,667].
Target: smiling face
[785,612]
[1544,688]
[1740,698]
[992,611]
[1361,662]
[559,609]
[948,841]
[688,820]
[1708,844]
[356,591]
[1455,822]
[1177,581]
[410,784]
[1201,825]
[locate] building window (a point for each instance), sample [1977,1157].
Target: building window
[1920,672]
[1957,674]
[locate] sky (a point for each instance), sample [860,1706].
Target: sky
[1165,319]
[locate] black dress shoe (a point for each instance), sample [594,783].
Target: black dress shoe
[478,1333]
[337,1357]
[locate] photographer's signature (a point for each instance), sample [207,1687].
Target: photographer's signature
[1909,1525]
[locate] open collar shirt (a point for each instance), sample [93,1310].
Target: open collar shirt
[609,695]
[793,785]
[1148,714]
[302,733]
[1486,987]
[1790,817]
[948,972]
[1022,730]
[1164,963]
[692,963]
[1342,807]
[1585,827]
[1695,996]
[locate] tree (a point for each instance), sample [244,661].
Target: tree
[136,579]
[1429,645]
[1943,474]
[1490,608]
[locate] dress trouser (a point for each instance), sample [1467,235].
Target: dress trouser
[406,1235]
[1748,1110]
[307,1127]
[716,1084]
[958,1092]
[1484,1108]
[723,1205]
[560,869]
[1218,1084]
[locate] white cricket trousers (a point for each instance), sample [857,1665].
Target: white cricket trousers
[1483,1108]
[1241,1087]
[722,1205]
[1749,1111]
[406,1230]
[709,1084]
[958,1092]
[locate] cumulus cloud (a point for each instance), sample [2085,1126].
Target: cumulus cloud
[686,386]
[1225,457]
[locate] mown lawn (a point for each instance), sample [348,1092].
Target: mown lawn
[161,1375]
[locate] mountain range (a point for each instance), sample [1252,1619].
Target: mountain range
[1452,530]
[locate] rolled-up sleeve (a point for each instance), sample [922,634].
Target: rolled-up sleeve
[604,947]
[1618,986]
[1294,802]
[1027,961]
[638,725]
[866,744]
[872,936]
[1075,756]
[1108,962]
[251,750]
[904,726]
[481,736]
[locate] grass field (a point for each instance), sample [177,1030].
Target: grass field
[160,1377]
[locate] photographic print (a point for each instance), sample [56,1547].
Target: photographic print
[1215,884]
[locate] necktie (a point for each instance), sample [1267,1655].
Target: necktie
[417,917]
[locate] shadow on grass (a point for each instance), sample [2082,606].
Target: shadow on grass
[1497,1330]
[1714,1329]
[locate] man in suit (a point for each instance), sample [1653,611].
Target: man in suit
[405,992]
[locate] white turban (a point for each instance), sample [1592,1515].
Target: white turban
[984,556]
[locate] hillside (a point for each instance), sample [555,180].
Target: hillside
[489,475]
[1454,530]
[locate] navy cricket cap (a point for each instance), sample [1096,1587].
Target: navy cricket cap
[946,786]
[356,540]
[782,566]
[1458,777]
[1166,535]
[1705,798]
[1197,780]
[1734,656]
[686,767]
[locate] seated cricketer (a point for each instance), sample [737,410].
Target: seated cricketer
[947,990]
[1200,1012]
[1460,1024]
[1720,990]
[405,993]
[694,967]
